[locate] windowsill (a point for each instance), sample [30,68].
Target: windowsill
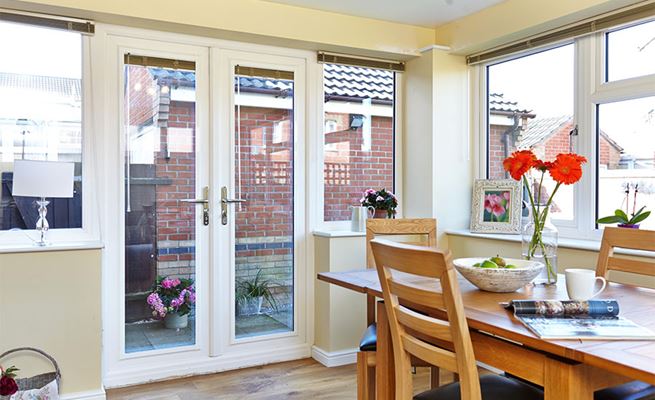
[567,243]
[338,233]
[59,246]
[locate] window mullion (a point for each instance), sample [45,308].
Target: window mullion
[587,78]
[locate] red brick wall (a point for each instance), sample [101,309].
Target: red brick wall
[143,95]
[558,143]
[349,169]
[496,151]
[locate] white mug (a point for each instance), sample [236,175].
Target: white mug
[580,283]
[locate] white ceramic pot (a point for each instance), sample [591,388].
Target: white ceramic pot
[176,321]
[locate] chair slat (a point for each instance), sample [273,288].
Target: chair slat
[416,260]
[636,239]
[426,325]
[429,353]
[416,294]
[629,265]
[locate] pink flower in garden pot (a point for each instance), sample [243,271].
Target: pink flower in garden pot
[381,203]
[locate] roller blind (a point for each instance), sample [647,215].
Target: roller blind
[333,58]
[586,27]
[48,21]
[263,73]
[144,61]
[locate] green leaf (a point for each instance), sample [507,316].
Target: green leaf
[639,217]
[620,213]
[612,219]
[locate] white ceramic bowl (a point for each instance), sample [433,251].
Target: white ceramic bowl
[501,280]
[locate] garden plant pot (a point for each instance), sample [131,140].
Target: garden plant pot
[381,214]
[252,306]
[176,321]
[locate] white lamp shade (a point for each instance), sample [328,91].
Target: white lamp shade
[43,178]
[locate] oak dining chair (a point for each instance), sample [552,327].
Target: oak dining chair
[412,332]
[633,239]
[421,231]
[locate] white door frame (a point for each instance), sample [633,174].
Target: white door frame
[214,350]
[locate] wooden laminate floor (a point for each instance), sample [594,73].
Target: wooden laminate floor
[302,379]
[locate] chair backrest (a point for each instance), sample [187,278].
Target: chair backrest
[400,227]
[411,330]
[635,239]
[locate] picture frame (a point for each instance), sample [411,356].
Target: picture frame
[496,206]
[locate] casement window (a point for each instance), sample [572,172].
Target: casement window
[41,116]
[593,94]
[359,136]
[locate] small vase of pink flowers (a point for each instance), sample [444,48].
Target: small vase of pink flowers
[172,299]
[381,203]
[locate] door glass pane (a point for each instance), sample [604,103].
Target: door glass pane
[530,105]
[264,250]
[631,52]
[626,157]
[160,168]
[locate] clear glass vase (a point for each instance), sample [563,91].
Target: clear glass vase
[539,243]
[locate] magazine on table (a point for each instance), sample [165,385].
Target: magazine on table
[573,319]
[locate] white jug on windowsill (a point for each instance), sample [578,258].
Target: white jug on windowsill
[359,217]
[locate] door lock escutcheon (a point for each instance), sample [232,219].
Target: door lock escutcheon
[225,201]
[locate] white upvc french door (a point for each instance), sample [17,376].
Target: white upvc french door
[188,127]
[258,159]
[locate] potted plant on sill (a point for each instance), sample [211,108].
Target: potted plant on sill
[621,217]
[251,293]
[382,203]
[172,299]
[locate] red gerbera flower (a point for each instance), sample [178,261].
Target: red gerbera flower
[543,166]
[567,168]
[519,163]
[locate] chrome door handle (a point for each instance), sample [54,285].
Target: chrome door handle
[224,203]
[205,204]
[233,201]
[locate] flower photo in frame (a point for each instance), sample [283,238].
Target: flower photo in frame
[496,206]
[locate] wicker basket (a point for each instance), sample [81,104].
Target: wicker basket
[37,381]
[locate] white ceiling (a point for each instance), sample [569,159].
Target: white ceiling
[429,13]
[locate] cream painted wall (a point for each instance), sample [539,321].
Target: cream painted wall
[51,300]
[515,19]
[340,314]
[462,246]
[265,20]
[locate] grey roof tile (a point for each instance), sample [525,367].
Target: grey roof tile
[497,102]
[541,129]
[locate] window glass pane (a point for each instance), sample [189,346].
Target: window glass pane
[530,104]
[626,141]
[358,136]
[160,229]
[631,52]
[40,117]
[264,229]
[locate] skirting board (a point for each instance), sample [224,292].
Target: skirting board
[90,395]
[335,358]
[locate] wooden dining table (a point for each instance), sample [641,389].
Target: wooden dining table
[567,369]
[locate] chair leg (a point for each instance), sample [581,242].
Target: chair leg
[434,377]
[362,377]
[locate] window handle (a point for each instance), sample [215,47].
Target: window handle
[205,204]
[225,201]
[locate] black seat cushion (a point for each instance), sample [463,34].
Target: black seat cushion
[493,387]
[369,340]
[629,391]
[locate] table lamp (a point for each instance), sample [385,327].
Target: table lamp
[43,179]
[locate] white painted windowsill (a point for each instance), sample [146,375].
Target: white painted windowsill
[338,233]
[59,246]
[567,243]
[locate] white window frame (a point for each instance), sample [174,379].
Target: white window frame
[590,91]
[317,187]
[89,234]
